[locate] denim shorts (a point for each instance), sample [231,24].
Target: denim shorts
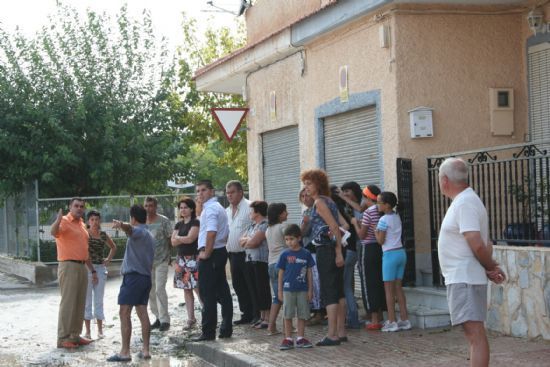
[393,265]
[274,280]
[134,290]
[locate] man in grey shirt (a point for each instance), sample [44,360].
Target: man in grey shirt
[136,281]
[161,228]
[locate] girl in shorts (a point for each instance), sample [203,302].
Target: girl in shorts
[394,258]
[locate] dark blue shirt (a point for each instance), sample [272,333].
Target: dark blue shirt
[295,265]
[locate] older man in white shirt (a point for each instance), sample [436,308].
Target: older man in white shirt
[238,214]
[465,256]
[213,234]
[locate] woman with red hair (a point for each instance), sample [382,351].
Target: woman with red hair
[330,261]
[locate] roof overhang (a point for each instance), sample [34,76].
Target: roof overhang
[229,74]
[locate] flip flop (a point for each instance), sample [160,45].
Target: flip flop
[142,356]
[261,325]
[118,358]
[272,333]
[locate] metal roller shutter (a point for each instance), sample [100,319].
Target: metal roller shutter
[281,165]
[352,152]
[539,92]
[352,147]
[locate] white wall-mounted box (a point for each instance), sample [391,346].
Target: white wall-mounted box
[421,122]
[501,110]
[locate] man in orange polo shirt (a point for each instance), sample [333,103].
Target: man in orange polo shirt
[71,238]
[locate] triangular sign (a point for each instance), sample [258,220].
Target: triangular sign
[229,120]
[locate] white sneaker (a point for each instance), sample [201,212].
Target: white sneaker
[404,325]
[390,326]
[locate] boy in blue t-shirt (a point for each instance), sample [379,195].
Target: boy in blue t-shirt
[295,286]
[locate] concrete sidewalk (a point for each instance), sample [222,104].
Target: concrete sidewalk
[441,347]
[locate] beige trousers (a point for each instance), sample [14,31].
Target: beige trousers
[158,299]
[73,282]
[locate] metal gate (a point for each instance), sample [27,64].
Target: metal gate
[405,198]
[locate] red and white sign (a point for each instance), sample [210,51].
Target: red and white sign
[229,120]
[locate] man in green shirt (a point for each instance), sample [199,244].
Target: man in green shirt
[161,228]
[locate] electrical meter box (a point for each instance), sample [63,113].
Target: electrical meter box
[421,122]
[501,106]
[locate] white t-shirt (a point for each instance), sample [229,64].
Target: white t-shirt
[391,224]
[458,263]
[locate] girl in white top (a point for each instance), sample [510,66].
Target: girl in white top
[388,234]
[276,216]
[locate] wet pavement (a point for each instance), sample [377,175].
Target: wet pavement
[28,324]
[28,327]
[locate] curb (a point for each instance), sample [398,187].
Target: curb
[214,353]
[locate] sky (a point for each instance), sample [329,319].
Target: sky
[31,15]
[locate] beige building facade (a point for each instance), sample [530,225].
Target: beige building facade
[311,65]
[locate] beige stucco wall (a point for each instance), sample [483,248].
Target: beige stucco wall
[298,96]
[444,61]
[268,16]
[448,62]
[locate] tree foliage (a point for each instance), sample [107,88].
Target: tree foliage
[86,107]
[208,144]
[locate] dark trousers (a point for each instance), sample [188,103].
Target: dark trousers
[213,288]
[373,287]
[238,280]
[251,288]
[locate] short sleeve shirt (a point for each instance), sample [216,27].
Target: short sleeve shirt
[295,265]
[238,224]
[187,249]
[458,263]
[72,239]
[275,241]
[139,253]
[391,224]
[213,219]
[259,253]
[161,229]
[371,216]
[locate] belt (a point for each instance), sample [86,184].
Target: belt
[75,261]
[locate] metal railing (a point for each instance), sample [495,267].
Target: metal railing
[512,181]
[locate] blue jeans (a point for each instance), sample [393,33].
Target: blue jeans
[274,279]
[352,315]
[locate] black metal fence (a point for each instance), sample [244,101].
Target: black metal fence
[512,181]
[405,198]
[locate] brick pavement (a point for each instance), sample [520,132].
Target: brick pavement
[441,347]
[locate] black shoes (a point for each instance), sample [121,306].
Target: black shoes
[224,334]
[203,338]
[164,326]
[155,325]
[242,321]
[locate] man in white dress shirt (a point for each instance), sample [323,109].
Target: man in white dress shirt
[238,214]
[213,287]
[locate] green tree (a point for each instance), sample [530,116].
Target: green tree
[208,145]
[86,107]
